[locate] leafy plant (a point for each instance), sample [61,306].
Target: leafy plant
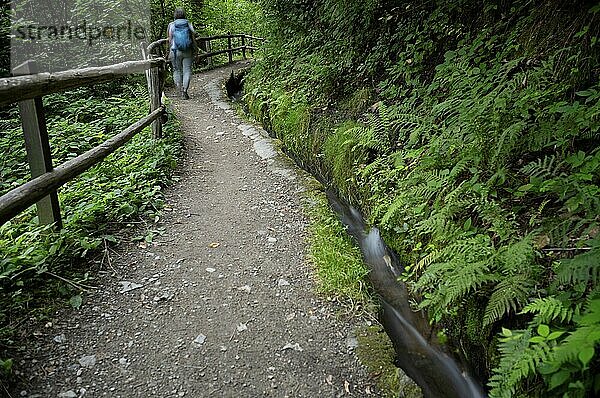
[476,156]
[125,187]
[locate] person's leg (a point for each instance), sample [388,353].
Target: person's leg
[187,73]
[177,70]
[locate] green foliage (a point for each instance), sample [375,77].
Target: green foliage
[235,16]
[125,187]
[565,358]
[6,365]
[475,152]
[338,262]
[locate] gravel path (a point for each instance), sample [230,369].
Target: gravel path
[223,303]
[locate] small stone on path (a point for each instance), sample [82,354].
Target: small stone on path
[292,346]
[87,361]
[60,339]
[282,282]
[245,288]
[127,286]
[200,340]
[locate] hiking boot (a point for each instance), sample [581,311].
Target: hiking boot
[185,95]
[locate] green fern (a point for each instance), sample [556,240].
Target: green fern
[508,295]
[583,268]
[549,309]
[546,168]
[518,361]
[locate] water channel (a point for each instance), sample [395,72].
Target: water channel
[438,374]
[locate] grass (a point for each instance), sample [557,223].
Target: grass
[342,275]
[336,259]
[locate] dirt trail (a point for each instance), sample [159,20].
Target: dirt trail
[222,304]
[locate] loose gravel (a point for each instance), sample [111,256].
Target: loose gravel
[223,303]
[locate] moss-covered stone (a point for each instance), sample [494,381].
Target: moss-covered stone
[376,352]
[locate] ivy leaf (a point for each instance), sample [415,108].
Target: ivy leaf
[537,339]
[586,355]
[554,335]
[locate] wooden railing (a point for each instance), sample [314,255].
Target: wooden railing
[28,90]
[245,44]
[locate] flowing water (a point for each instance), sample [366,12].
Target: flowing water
[438,375]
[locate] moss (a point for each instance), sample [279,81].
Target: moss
[376,352]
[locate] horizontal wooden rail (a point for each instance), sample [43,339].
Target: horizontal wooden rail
[213,53]
[20,198]
[231,36]
[18,88]
[155,44]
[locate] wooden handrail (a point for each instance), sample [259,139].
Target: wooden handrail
[213,53]
[20,198]
[232,36]
[155,44]
[28,90]
[18,88]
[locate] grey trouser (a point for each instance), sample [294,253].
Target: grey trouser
[182,61]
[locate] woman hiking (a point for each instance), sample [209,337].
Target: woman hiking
[182,44]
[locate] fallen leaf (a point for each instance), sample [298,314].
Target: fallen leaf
[213,245]
[347,386]
[329,380]
[241,327]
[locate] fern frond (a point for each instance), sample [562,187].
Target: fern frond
[549,309]
[516,256]
[458,168]
[546,168]
[583,268]
[507,295]
[518,360]
[430,258]
[507,375]
[468,278]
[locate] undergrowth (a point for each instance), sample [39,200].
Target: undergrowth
[468,135]
[123,190]
[340,269]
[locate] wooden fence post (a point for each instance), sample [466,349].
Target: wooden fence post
[229,48]
[209,50]
[244,46]
[155,91]
[37,144]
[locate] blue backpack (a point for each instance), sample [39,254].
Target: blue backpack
[182,39]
